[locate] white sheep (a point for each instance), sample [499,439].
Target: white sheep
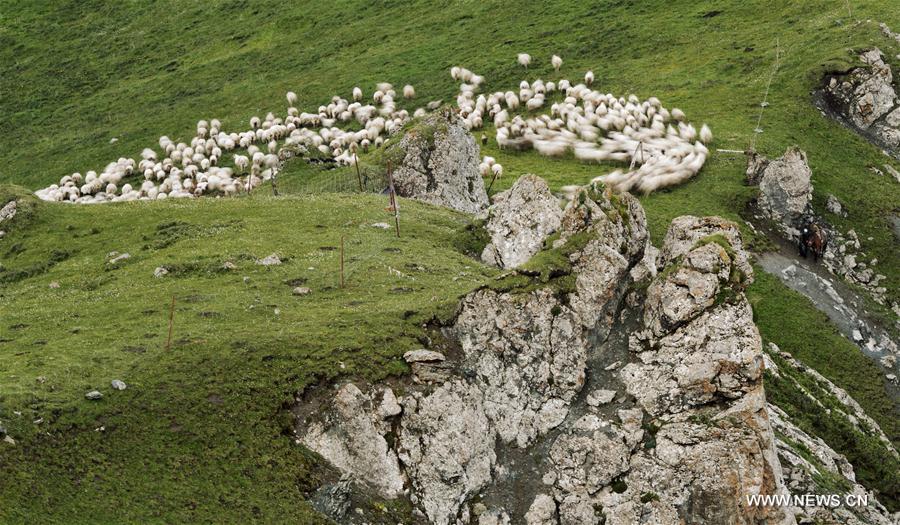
[556,61]
[524,59]
[291,98]
[409,91]
[589,78]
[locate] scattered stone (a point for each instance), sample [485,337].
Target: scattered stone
[382,225]
[160,271]
[9,440]
[2,431]
[857,336]
[8,211]
[246,280]
[301,290]
[785,191]
[834,206]
[93,395]
[600,397]
[2,234]
[423,356]
[271,260]
[54,285]
[228,265]
[117,258]
[894,173]
[518,222]
[118,385]
[440,164]
[389,406]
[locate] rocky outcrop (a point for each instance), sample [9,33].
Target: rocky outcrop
[518,222]
[440,164]
[785,190]
[349,437]
[446,446]
[866,100]
[687,444]
[851,410]
[807,461]
[699,376]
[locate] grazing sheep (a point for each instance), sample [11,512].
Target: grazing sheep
[556,61]
[524,59]
[661,146]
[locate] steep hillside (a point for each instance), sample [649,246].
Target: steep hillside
[201,434]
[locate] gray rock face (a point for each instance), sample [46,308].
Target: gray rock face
[699,375]
[440,164]
[866,98]
[785,190]
[867,91]
[447,446]
[350,440]
[695,372]
[519,221]
[801,475]
[529,362]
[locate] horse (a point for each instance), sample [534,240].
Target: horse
[813,240]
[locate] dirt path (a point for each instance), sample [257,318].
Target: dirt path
[843,306]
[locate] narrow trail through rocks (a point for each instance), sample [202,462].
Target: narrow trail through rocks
[844,306]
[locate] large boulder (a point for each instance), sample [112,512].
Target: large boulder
[519,220]
[866,99]
[440,164]
[785,189]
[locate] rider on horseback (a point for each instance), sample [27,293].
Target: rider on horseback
[813,240]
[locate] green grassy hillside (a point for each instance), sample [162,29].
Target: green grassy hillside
[198,435]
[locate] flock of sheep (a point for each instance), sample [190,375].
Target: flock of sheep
[660,147]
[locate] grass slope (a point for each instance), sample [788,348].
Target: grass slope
[197,436]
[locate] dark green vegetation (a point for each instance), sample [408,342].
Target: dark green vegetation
[787,319]
[197,437]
